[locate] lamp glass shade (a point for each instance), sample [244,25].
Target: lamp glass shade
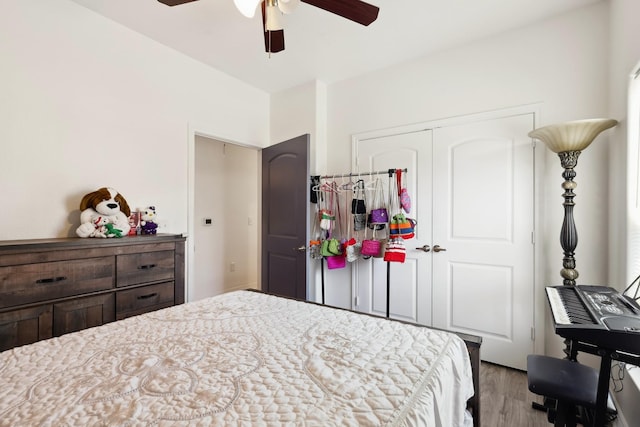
[571,136]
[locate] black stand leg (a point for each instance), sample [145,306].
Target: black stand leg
[388,286]
[322,277]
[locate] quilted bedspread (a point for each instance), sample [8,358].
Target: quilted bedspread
[242,358]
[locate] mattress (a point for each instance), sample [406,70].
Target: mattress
[242,358]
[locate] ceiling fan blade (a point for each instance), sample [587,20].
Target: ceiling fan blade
[175,2]
[354,10]
[273,40]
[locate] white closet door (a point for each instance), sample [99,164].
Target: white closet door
[410,282]
[483,216]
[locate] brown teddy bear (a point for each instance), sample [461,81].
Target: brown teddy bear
[106,203]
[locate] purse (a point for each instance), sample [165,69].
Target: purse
[315,247]
[358,205]
[326,219]
[335,262]
[403,193]
[331,247]
[378,217]
[353,250]
[371,247]
[400,226]
[395,251]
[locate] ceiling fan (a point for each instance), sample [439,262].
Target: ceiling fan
[354,10]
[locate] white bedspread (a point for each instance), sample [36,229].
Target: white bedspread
[242,358]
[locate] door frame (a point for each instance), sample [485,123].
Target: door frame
[539,265]
[193,130]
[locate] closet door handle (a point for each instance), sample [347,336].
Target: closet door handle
[300,249]
[437,248]
[424,248]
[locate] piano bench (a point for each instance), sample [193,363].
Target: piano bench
[569,383]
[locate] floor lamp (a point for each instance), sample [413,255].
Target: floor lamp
[569,140]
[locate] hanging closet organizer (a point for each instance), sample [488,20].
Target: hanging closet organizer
[330,215]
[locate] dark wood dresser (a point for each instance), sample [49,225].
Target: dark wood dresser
[49,287]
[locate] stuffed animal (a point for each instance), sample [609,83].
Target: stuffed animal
[148,220]
[107,204]
[112,231]
[100,228]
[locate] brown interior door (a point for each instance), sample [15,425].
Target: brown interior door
[285,214]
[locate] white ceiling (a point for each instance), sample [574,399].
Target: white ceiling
[320,45]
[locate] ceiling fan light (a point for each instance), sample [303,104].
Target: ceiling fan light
[288,6]
[247,7]
[273,18]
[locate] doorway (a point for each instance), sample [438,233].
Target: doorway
[225,229]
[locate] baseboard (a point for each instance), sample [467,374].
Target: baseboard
[252,285]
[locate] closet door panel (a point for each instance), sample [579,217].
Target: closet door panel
[483,216]
[409,292]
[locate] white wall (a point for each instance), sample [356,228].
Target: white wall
[87,103]
[298,111]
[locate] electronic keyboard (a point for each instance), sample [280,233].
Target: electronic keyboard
[596,315]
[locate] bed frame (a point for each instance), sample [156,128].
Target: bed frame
[472,342]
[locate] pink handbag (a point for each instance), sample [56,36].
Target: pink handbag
[371,247]
[336,261]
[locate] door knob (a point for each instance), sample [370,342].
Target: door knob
[300,249]
[424,248]
[437,248]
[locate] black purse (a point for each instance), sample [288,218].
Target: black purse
[357,203]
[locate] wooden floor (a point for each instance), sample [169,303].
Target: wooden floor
[505,400]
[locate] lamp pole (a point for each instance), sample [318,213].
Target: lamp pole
[568,233]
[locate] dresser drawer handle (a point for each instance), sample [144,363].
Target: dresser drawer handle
[146,267]
[148,296]
[52,279]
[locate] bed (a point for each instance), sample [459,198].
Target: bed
[243,358]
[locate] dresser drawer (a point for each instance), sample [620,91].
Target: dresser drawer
[143,299]
[145,267]
[25,326]
[29,283]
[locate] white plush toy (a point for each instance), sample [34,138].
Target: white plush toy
[148,220]
[108,204]
[100,225]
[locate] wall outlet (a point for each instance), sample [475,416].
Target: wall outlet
[232,267]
